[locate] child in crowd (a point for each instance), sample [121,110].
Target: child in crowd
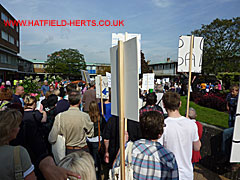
[196,156]
[232,98]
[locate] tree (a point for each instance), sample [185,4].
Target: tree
[221,45]
[66,62]
[144,64]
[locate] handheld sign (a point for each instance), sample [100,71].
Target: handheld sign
[184,54]
[125,37]
[131,79]
[85,76]
[105,90]
[235,155]
[108,75]
[148,81]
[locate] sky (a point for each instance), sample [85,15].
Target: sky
[160,23]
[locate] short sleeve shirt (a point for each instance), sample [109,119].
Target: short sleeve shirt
[45,89]
[7,170]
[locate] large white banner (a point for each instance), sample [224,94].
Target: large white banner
[148,81]
[184,54]
[131,79]
[125,37]
[235,154]
[105,90]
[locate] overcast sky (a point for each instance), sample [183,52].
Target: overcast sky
[160,23]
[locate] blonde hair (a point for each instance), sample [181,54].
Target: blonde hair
[9,119]
[81,163]
[29,100]
[94,111]
[56,92]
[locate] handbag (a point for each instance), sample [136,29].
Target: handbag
[115,173]
[17,164]
[59,148]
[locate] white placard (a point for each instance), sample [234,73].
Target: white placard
[148,81]
[158,81]
[109,78]
[125,37]
[131,79]
[87,76]
[184,52]
[105,90]
[235,155]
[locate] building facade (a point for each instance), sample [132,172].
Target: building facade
[9,47]
[164,69]
[95,69]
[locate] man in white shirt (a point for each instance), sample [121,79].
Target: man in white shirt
[180,135]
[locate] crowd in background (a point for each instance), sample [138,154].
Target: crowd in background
[70,112]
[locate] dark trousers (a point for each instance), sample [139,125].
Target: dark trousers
[93,149]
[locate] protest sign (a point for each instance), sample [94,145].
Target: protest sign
[85,76]
[130,73]
[125,37]
[148,81]
[109,78]
[235,155]
[105,90]
[184,54]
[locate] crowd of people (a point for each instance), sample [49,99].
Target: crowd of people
[165,144]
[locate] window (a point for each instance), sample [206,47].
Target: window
[17,43]
[11,39]
[4,35]
[17,29]
[3,58]
[4,17]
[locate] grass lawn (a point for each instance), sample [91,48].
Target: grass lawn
[206,115]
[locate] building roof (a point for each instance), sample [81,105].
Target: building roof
[38,61]
[95,64]
[166,62]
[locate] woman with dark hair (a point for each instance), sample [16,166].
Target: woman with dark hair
[95,142]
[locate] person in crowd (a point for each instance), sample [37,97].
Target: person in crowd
[17,96]
[15,160]
[232,99]
[69,88]
[106,107]
[151,105]
[203,87]
[180,135]
[44,88]
[111,138]
[63,104]
[2,85]
[79,162]
[150,160]
[5,98]
[51,88]
[43,102]
[89,96]
[95,142]
[30,138]
[196,156]
[74,125]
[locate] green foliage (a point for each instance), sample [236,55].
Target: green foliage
[221,45]
[31,85]
[144,64]
[66,62]
[206,115]
[229,78]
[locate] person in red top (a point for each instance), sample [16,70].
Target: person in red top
[196,156]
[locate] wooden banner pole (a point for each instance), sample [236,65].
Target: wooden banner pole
[121,108]
[190,74]
[85,77]
[101,96]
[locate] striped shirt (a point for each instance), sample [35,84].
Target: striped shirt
[152,161]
